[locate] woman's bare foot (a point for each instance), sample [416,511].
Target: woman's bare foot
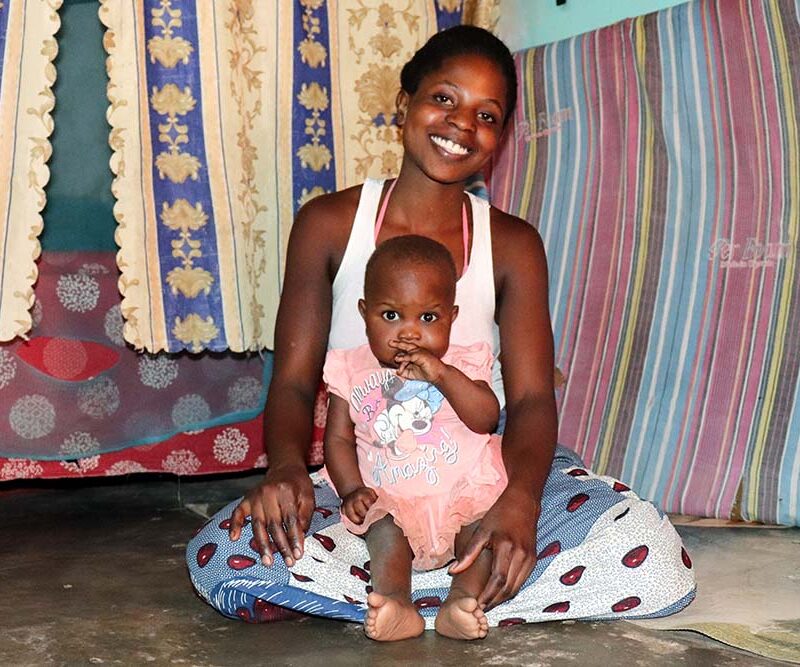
[461,618]
[389,619]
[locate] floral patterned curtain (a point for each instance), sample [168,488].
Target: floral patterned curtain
[27,49]
[226,117]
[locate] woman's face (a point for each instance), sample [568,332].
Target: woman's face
[411,304]
[453,122]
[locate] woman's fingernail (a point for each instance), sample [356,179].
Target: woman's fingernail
[266,560]
[297,553]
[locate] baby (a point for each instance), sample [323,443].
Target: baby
[408,444]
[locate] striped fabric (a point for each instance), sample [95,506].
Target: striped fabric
[226,117]
[27,49]
[660,160]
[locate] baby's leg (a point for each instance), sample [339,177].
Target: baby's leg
[391,615]
[460,617]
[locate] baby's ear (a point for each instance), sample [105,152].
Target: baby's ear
[455,313]
[362,308]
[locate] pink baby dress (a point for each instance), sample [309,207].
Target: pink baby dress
[431,473]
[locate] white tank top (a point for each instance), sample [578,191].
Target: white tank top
[475,295]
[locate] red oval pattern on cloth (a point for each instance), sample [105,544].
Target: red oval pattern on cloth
[626,603]
[325,541]
[685,558]
[301,577]
[550,550]
[358,572]
[240,562]
[266,612]
[68,358]
[573,576]
[576,501]
[225,525]
[556,608]
[508,622]
[206,553]
[619,487]
[324,511]
[244,614]
[636,556]
[428,601]
[351,600]
[578,472]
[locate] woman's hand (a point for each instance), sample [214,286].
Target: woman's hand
[356,503]
[509,530]
[280,509]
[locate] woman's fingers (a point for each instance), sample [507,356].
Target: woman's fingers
[496,585]
[521,567]
[511,566]
[479,541]
[297,523]
[238,518]
[280,513]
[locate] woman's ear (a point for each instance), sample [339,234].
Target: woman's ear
[401,102]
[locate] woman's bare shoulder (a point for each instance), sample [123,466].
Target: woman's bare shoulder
[514,239]
[332,208]
[326,220]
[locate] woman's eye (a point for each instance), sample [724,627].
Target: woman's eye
[429,317]
[390,315]
[487,117]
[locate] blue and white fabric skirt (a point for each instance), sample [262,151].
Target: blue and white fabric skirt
[603,553]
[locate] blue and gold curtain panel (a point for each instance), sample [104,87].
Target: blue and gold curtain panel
[27,49]
[226,117]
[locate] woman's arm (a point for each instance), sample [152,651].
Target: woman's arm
[281,505]
[529,439]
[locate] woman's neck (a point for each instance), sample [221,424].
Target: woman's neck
[423,203]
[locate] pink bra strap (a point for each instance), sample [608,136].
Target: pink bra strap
[382,212]
[464,224]
[465,236]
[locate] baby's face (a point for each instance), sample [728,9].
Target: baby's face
[409,304]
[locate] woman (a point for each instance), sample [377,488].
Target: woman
[457,93]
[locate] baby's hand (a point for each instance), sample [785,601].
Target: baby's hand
[356,503]
[417,363]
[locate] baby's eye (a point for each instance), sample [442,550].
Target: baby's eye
[390,315]
[429,317]
[442,99]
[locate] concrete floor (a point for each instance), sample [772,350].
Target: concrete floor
[93,573]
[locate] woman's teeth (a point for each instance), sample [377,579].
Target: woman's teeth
[449,146]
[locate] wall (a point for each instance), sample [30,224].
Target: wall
[525,23]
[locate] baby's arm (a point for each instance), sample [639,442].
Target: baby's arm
[342,464]
[473,400]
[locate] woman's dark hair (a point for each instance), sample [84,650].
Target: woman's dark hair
[458,41]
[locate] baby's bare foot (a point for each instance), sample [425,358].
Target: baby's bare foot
[389,619]
[462,618]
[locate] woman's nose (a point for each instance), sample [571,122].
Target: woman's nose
[461,119]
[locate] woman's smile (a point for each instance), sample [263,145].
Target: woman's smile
[450,147]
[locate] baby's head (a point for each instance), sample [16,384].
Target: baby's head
[409,295]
